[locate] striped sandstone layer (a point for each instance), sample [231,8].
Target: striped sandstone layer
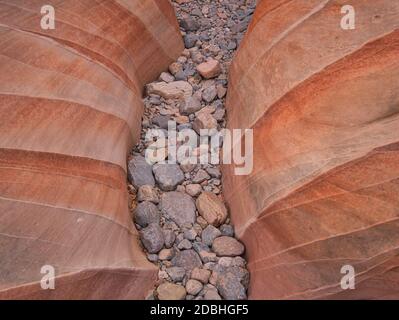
[70,111]
[324,106]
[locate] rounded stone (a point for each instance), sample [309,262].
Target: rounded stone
[170,238]
[152,238]
[147,193]
[177,274]
[179,207]
[168,176]
[209,234]
[193,287]
[146,213]
[187,259]
[171,291]
[227,246]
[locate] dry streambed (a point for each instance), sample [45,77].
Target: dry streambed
[178,208]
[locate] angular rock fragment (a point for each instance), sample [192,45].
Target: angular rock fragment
[168,176]
[227,246]
[190,105]
[211,208]
[140,172]
[209,69]
[146,213]
[171,90]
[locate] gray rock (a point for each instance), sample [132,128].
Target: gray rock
[212,295]
[181,75]
[152,238]
[190,40]
[200,246]
[209,94]
[227,246]
[155,100]
[166,254]
[188,167]
[170,238]
[225,261]
[161,121]
[140,172]
[204,120]
[227,230]
[187,259]
[189,24]
[207,256]
[190,234]
[193,287]
[171,291]
[152,257]
[168,176]
[177,274]
[190,105]
[185,244]
[179,207]
[201,176]
[196,12]
[209,234]
[230,287]
[232,45]
[146,213]
[214,172]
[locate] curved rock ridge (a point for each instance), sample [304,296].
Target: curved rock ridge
[324,106]
[70,110]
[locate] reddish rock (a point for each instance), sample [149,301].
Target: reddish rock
[227,246]
[323,191]
[211,208]
[209,69]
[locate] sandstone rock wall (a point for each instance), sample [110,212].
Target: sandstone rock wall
[70,109]
[324,106]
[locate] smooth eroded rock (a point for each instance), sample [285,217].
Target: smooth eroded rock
[171,90]
[168,176]
[179,207]
[227,246]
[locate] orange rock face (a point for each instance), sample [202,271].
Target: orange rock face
[70,110]
[324,106]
